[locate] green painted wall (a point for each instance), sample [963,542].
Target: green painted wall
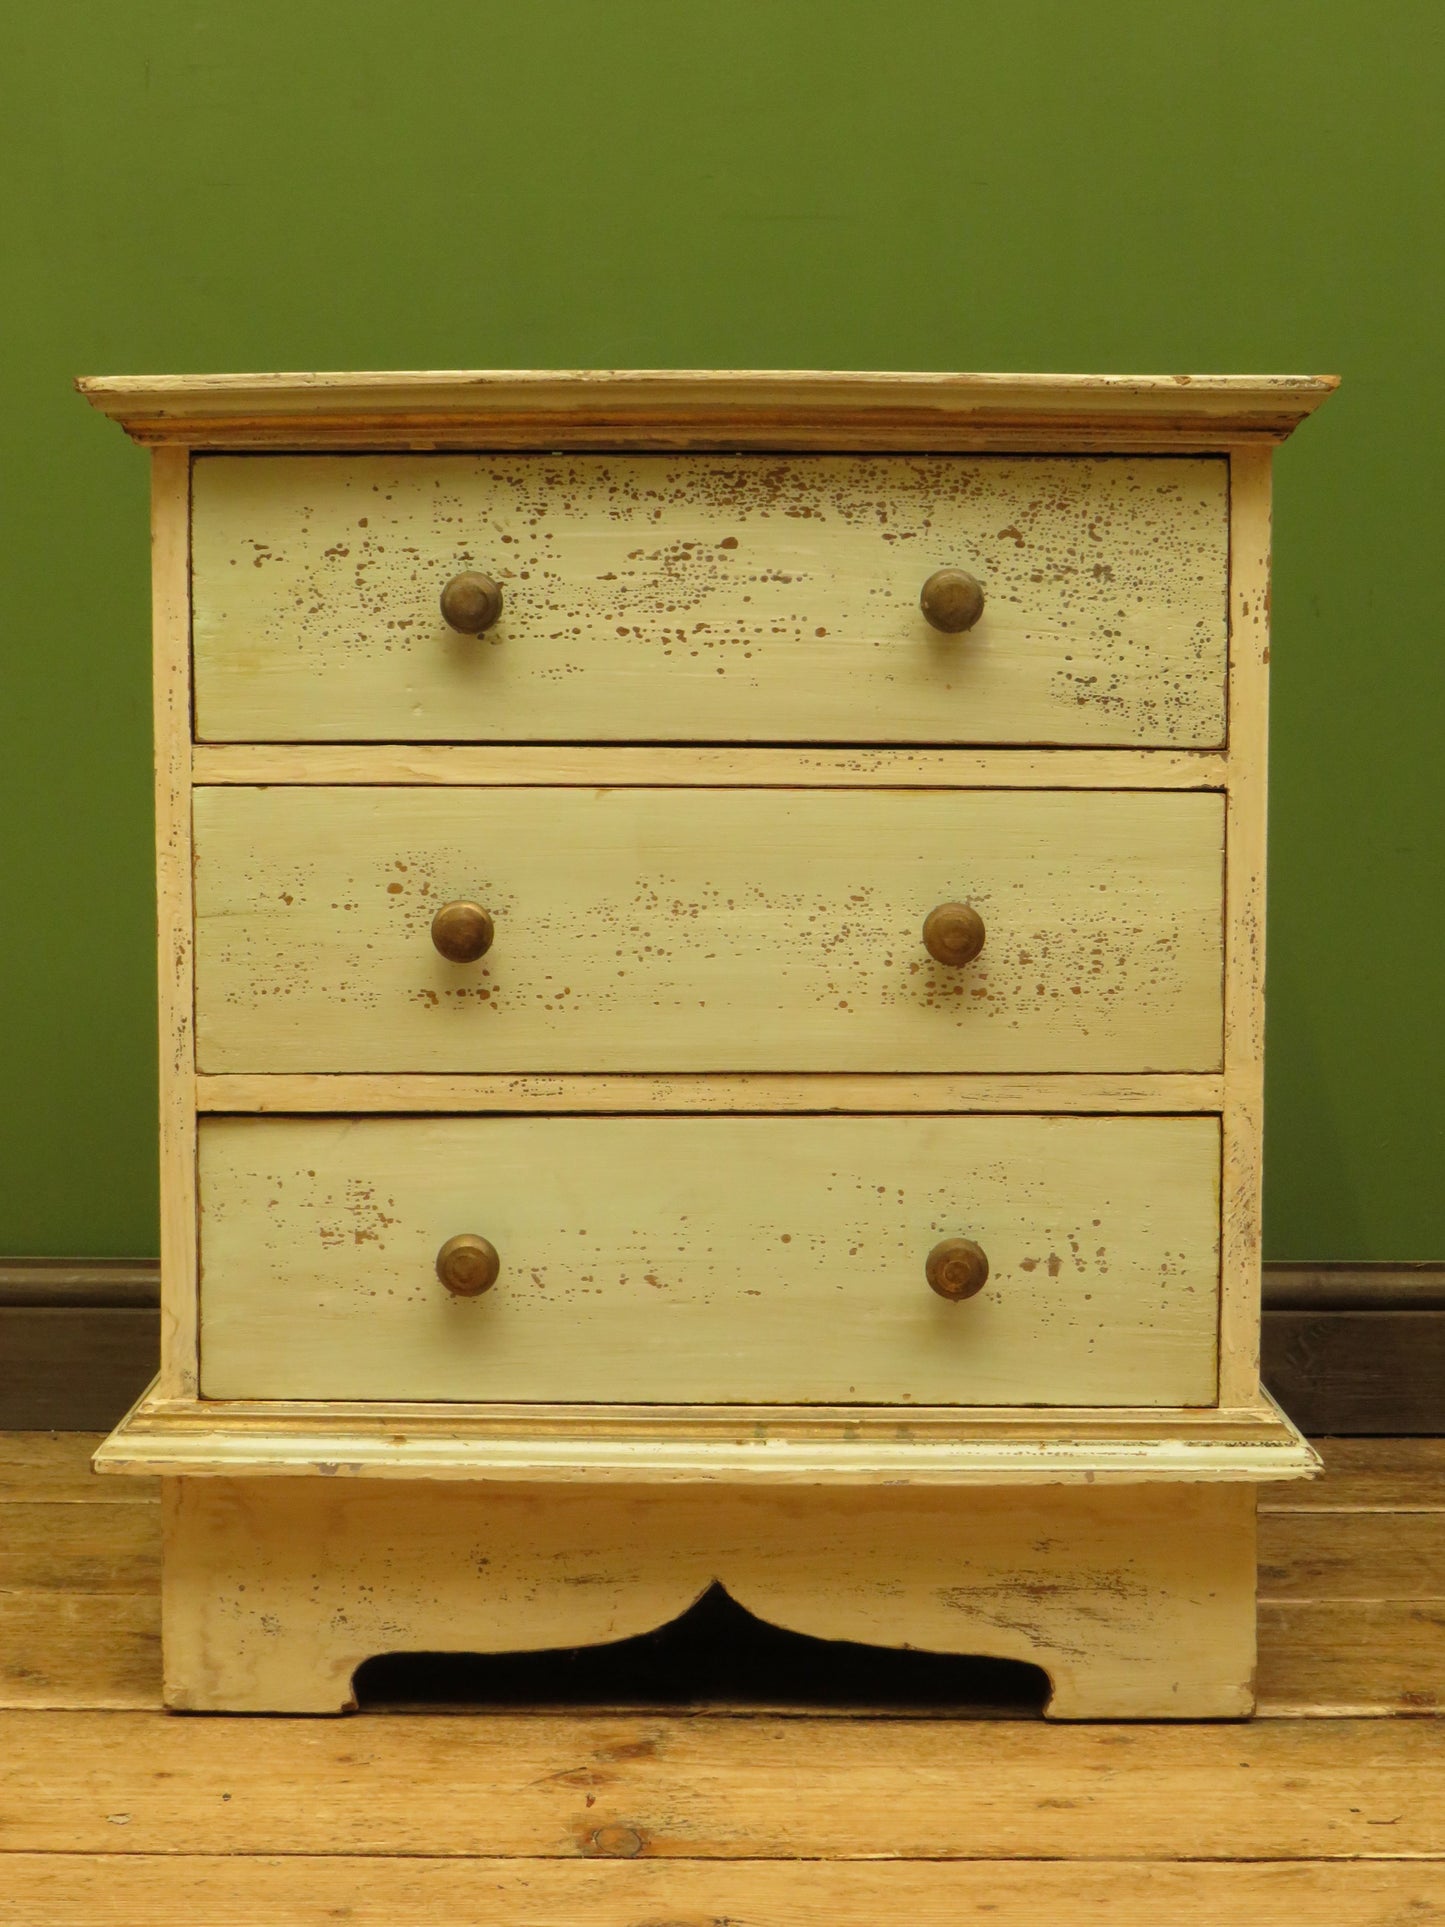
[1034,184]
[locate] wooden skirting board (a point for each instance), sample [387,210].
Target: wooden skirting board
[1348,1349]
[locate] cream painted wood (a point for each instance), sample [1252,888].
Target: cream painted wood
[1245,922]
[709,408]
[267,1092]
[1137,1602]
[667,1445]
[170,622]
[756,1260]
[710,597]
[707,930]
[609,765]
[1101,1536]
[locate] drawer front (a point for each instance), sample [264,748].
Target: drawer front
[718,1259]
[694,930]
[747,598]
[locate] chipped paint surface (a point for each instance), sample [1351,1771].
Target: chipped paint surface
[642,930]
[711,598]
[752,1259]
[1137,1601]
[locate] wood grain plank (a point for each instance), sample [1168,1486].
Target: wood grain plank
[1353,1555]
[1349,1657]
[1368,1474]
[55,1466]
[110,1547]
[708,1787]
[292,1891]
[71,1649]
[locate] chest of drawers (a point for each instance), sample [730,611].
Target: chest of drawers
[711,936]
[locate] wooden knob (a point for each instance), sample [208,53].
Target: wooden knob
[952,600]
[953,933]
[468,1265]
[471,603]
[462,932]
[957,1268]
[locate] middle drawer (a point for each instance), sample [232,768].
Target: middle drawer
[694,930]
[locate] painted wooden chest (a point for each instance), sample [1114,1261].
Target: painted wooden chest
[711,937]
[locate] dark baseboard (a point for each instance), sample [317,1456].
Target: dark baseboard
[1347,1348]
[79,1339]
[1357,1349]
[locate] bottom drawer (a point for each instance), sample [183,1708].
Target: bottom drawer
[711,1259]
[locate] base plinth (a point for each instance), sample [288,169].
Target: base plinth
[1137,1600]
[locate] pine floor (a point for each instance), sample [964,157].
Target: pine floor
[1330,1808]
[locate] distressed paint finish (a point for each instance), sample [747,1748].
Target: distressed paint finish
[707,930]
[709,597]
[731,408]
[708,775]
[590,765]
[804,1447]
[757,1260]
[1245,920]
[1137,1602]
[737,1091]
[175,912]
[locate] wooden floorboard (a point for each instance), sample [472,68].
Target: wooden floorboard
[1353,1555]
[56,1466]
[71,1548]
[62,1649]
[305,1892]
[717,1787]
[1367,1475]
[1337,1658]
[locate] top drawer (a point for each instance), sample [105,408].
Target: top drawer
[710,598]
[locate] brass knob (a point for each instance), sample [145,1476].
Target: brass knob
[462,932]
[952,600]
[957,1268]
[471,603]
[468,1265]
[953,933]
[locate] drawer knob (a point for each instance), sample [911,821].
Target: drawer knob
[953,933]
[957,1268]
[468,1265]
[952,600]
[462,932]
[471,603]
